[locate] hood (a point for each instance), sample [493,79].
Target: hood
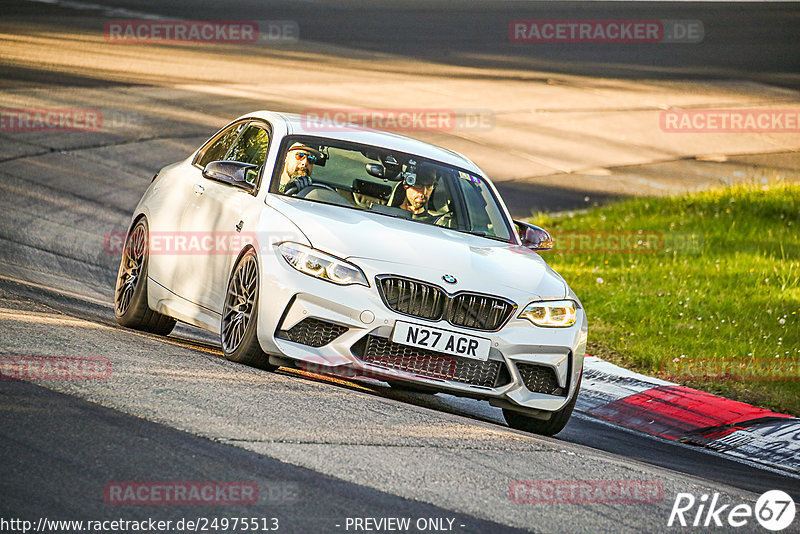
[414,249]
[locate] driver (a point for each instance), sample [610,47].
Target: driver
[297,168]
[418,194]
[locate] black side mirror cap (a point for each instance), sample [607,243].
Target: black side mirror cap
[534,237]
[231,172]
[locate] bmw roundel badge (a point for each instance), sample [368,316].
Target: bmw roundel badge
[449,278]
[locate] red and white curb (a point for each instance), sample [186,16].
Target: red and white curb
[675,412]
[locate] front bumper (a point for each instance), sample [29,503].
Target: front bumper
[346,330]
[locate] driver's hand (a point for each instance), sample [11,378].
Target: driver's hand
[297,185]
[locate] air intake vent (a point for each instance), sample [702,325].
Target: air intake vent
[312,332]
[540,379]
[383,352]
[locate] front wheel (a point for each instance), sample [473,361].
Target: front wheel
[130,292]
[554,425]
[240,313]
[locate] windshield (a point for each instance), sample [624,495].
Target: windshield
[390,183]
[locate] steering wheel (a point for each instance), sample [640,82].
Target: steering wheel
[311,187]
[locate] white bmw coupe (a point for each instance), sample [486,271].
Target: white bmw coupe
[349,251]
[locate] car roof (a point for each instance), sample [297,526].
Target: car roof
[299,125]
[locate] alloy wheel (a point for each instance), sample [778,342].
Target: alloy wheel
[240,302]
[133,258]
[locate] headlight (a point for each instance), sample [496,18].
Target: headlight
[320,265]
[554,313]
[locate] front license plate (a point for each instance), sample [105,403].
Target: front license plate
[426,337]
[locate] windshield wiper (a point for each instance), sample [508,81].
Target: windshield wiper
[484,234]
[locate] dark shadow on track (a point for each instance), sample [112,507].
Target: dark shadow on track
[59,453]
[742,40]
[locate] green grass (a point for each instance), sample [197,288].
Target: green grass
[723,286]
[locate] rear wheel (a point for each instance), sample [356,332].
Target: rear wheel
[130,293]
[240,313]
[558,420]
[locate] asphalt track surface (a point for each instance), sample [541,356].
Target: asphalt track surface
[320,450]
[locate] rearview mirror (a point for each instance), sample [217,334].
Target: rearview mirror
[374,169]
[534,237]
[383,171]
[235,173]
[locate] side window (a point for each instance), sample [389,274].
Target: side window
[251,147]
[217,150]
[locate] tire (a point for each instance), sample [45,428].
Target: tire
[240,315]
[130,291]
[558,420]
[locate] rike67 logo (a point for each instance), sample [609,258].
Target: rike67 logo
[774,510]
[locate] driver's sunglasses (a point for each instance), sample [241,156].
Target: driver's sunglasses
[300,155]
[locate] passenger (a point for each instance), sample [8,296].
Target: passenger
[297,168]
[418,194]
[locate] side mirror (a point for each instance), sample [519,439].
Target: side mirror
[534,237]
[233,173]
